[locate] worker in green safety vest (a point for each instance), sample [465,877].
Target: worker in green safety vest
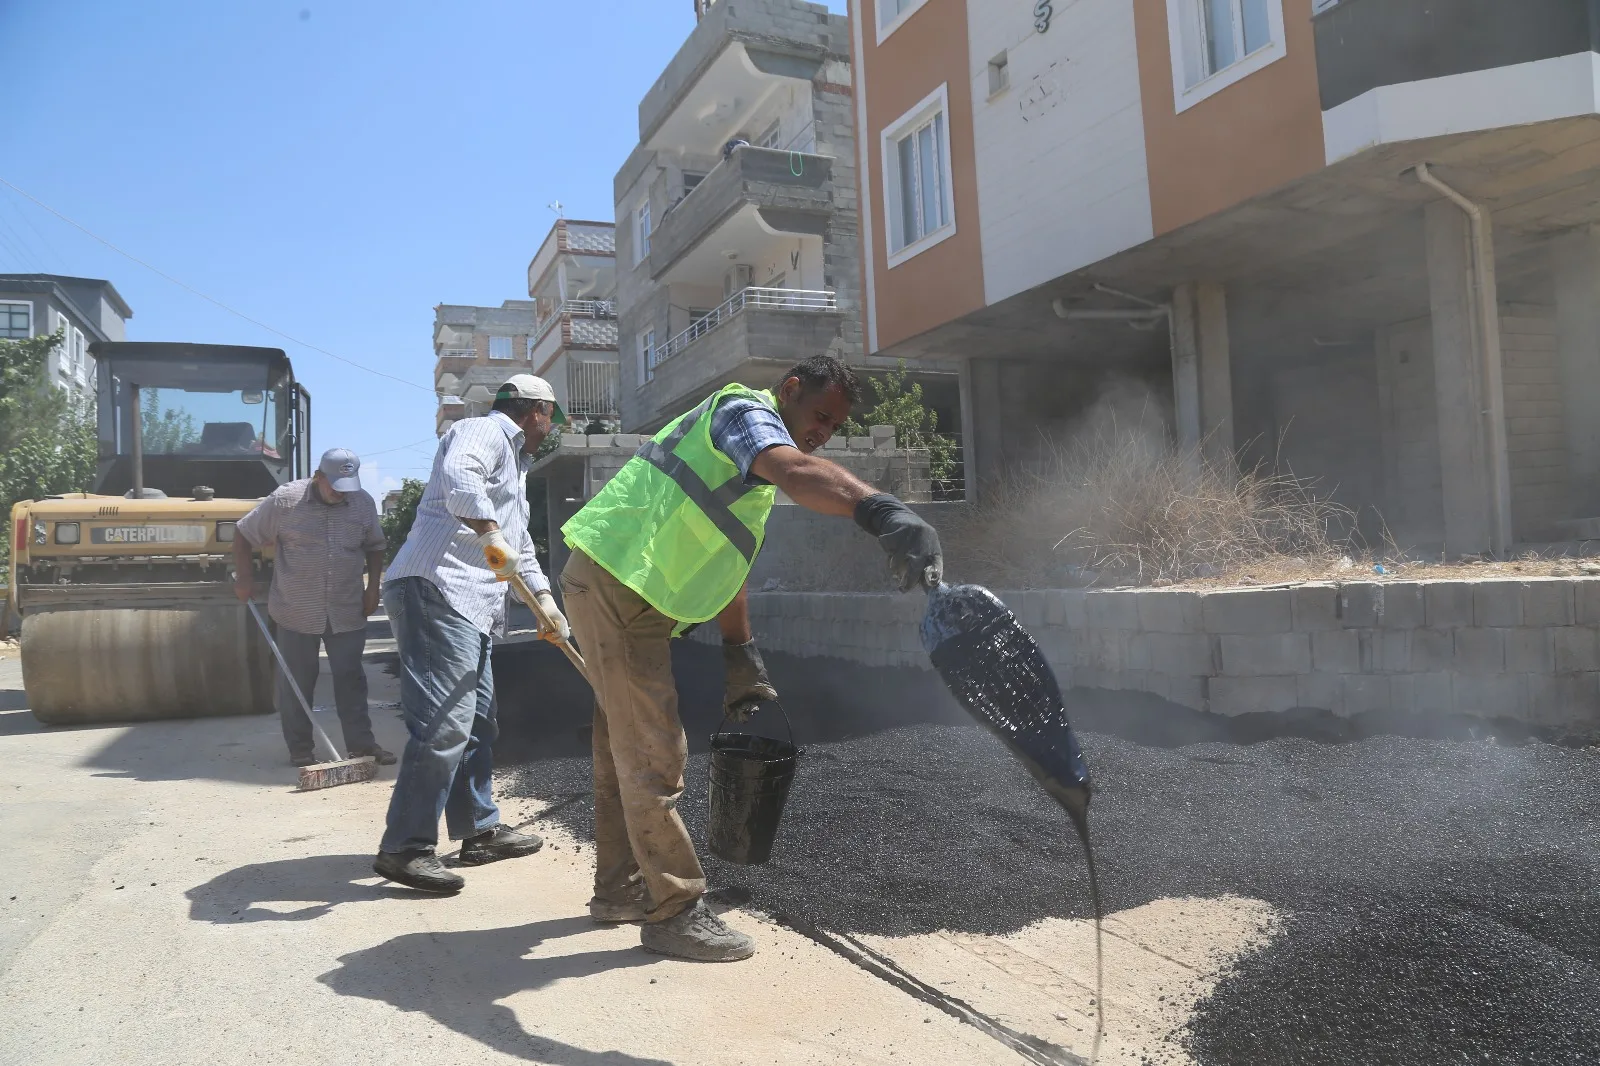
[668,544]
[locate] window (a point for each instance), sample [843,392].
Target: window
[641,233]
[892,14]
[770,138]
[916,153]
[647,355]
[691,179]
[16,321]
[1217,42]
[999,75]
[499,347]
[529,353]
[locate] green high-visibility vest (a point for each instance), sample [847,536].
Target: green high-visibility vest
[677,524]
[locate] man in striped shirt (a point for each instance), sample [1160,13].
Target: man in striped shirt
[445,595]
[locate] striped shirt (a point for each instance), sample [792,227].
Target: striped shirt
[479,472]
[742,428]
[320,554]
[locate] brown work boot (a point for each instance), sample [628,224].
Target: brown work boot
[697,935]
[630,908]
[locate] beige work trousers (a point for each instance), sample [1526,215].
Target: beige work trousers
[640,750]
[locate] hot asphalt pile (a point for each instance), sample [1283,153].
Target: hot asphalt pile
[1441,894]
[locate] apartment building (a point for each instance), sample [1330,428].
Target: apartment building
[738,236]
[475,350]
[84,309]
[572,281]
[1354,237]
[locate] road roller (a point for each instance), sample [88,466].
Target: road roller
[126,593]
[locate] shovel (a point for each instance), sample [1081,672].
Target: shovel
[527,596]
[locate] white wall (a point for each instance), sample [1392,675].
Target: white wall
[1062,179]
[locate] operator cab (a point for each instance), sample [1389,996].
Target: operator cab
[224,416]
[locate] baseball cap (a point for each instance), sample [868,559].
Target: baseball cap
[340,466]
[528,387]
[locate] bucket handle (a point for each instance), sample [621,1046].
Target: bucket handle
[789,726]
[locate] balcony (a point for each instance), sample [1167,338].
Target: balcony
[1364,44]
[751,338]
[780,192]
[575,310]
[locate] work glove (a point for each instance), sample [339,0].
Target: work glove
[912,545]
[745,681]
[498,555]
[559,631]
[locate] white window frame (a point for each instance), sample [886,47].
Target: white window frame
[886,28]
[1186,40]
[641,233]
[934,103]
[505,343]
[647,343]
[26,306]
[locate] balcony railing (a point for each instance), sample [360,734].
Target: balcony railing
[458,353]
[753,297]
[592,389]
[580,308]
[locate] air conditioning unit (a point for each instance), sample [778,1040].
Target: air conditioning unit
[739,277]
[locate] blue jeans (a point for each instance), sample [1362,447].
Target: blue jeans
[447,699]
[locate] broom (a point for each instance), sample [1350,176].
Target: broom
[324,774]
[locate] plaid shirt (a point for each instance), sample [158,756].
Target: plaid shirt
[742,429]
[321,554]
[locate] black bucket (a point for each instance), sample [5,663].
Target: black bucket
[750,779]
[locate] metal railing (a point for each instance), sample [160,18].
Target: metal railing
[593,389]
[580,308]
[458,353]
[759,298]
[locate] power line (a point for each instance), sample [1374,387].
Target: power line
[401,447]
[211,299]
[28,221]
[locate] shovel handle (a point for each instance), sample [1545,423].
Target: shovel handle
[527,596]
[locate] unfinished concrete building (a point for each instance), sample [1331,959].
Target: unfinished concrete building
[1356,238]
[572,281]
[737,215]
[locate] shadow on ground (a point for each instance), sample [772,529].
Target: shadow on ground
[459,978]
[303,889]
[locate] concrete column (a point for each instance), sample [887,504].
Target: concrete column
[1467,387]
[1216,381]
[969,431]
[1185,328]
[1575,263]
[985,458]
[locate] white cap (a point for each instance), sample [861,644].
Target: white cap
[529,387]
[340,466]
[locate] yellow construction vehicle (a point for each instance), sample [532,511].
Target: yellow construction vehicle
[126,593]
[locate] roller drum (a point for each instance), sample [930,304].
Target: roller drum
[105,664]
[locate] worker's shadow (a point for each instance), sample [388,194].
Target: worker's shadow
[289,890]
[459,978]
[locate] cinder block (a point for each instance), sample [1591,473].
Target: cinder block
[1315,607]
[1251,656]
[1530,650]
[1187,691]
[1497,603]
[1169,611]
[1403,605]
[1586,597]
[1388,650]
[1336,651]
[1479,651]
[570,441]
[1072,608]
[1247,611]
[1252,695]
[1577,649]
[1547,602]
[1447,604]
[1324,692]
[1112,609]
[627,440]
[1055,611]
[1491,695]
[1562,699]
[1028,607]
[1361,605]
[1433,649]
[836,444]
[1366,692]
[1432,692]
[1173,653]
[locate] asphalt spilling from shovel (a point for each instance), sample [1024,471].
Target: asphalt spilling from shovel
[1440,894]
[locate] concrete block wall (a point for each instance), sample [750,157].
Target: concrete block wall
[1527,650]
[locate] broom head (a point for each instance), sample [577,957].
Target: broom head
[343,772]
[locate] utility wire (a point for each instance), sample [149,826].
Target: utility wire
[28,221]
[402,447]
[211,299]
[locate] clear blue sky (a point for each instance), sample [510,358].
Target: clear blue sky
[331,169]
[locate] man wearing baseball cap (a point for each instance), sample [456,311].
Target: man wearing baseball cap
[446,597]
[325,534]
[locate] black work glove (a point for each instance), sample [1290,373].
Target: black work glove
[915,557]
[745,682]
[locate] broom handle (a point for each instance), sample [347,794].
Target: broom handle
[527,596]
[293,684]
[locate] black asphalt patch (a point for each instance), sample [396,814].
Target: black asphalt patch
[1441,895]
